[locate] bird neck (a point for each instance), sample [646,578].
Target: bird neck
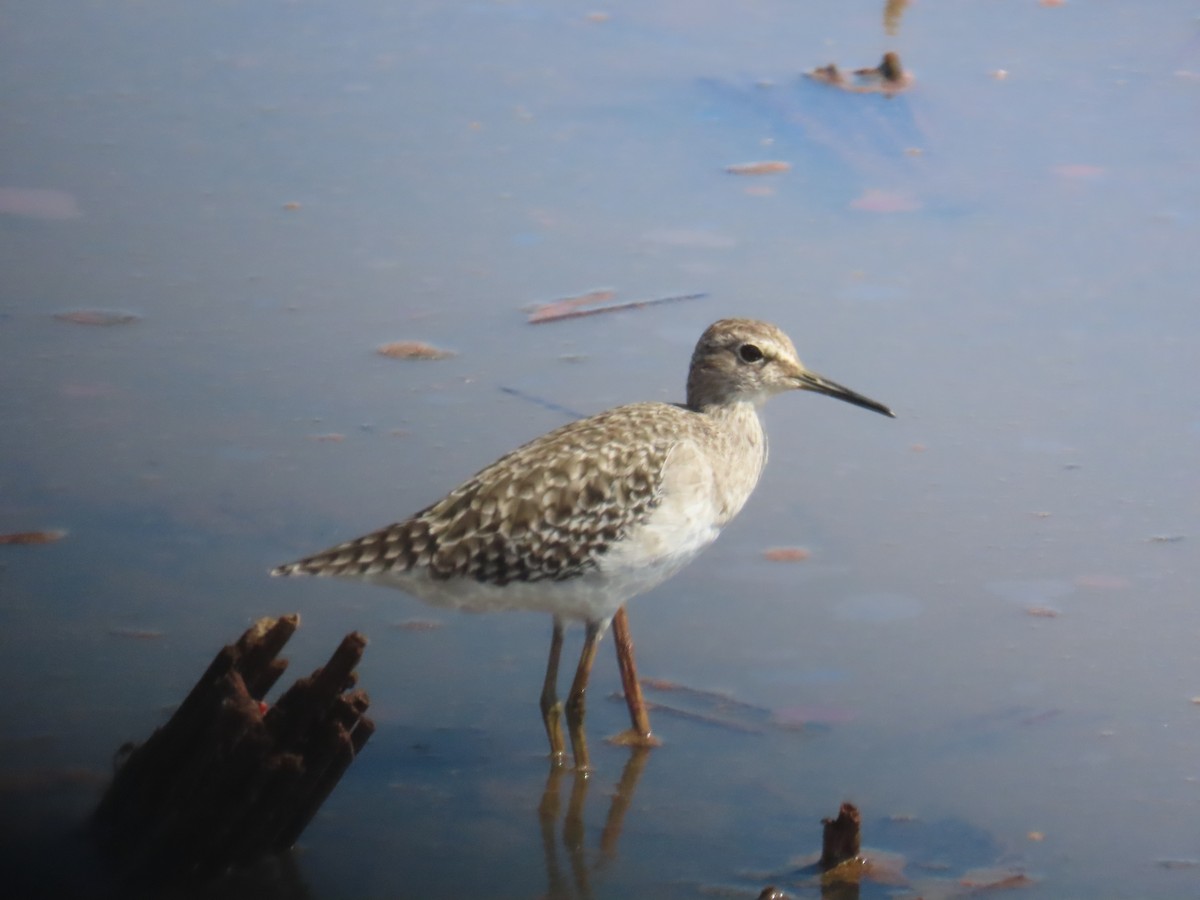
[738,449]
[721,406]
[731,412]
[714,392]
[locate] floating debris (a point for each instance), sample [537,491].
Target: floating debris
[786,554]
[291,206]
[558,312]
[1041,612]
[889,69]
[844,866]
[332,437]
[417,625]
[413,350]
[888,77]
[33,537]
[555,308]
[1164,539]
[103,317]
[829,74]
[764,167]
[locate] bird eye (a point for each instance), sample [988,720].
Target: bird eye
[750,353]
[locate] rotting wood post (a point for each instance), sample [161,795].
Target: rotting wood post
[227,781]
[841,839]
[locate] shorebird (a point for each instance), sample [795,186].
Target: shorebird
[579,521]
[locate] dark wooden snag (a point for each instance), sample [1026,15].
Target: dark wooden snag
[228,781]
[841,840]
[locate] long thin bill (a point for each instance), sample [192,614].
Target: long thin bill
[810,381]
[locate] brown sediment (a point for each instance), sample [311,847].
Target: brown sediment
[786,554]
[33,537]
[413,350]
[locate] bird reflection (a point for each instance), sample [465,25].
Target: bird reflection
[577,886]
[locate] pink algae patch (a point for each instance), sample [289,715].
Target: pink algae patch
[1079,171]
[874,200]
[39,203]
[812,714]
[101,317]
[786,554]
[761,167]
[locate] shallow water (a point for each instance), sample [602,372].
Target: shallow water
[995,629]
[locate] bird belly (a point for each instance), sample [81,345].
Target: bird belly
[594,595]
[688,516]
[643,559]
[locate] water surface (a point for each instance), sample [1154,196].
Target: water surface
[995,629]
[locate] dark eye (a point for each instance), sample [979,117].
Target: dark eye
[750,353]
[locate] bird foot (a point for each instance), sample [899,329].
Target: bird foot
[632,738]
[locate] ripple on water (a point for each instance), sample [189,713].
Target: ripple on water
[878,606]
[1031,591]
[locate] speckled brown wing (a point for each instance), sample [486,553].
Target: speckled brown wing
[546,511]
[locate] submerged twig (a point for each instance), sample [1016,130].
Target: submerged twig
[560,310]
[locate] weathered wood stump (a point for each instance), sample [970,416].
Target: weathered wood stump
[841,840]
[228,780]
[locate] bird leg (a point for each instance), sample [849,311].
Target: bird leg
[639,735]
[552,709]
[576,704]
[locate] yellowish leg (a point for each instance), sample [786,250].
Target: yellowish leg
[576,704]
[639,735]
[552,709]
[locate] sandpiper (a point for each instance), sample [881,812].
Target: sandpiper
[580,520]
